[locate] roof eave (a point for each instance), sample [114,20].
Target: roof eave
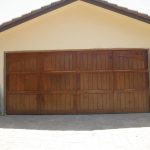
[34,14]
[121,10]
[61,3]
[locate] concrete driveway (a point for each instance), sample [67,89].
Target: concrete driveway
[82,132]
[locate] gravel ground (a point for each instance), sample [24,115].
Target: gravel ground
[89,132]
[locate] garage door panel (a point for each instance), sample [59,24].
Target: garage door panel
[130,60]
[95,103]
[94,60]
[22,63]
[17,82]
[58,82]
[31,82]
[131,80]
[57,103]
[96,81]
[136,101]
[22,104]
[63,61]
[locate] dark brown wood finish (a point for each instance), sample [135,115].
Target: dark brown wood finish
[77,82]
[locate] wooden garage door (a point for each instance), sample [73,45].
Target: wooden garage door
[76,82]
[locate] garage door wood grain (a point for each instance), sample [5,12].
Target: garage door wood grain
[77,82]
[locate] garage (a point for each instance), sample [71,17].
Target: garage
[77,82]
[75,57]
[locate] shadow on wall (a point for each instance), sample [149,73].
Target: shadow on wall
[76,122]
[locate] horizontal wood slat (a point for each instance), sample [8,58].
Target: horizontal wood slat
[77,82]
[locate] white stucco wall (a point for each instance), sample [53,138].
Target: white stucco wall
[76,26]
